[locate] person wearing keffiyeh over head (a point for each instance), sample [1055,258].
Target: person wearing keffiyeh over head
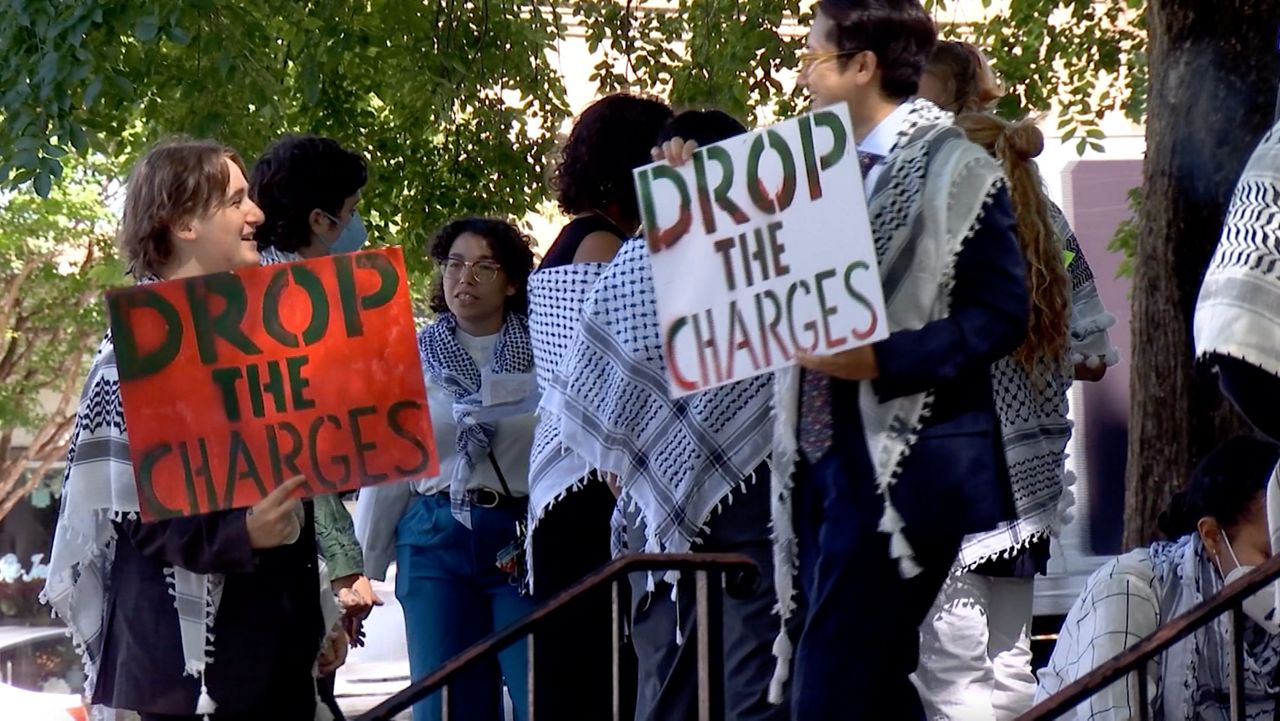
[145,601]
[446,534]
[1217,531]
[1237,323]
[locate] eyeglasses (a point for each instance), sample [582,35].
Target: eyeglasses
[482,271]
[809,59]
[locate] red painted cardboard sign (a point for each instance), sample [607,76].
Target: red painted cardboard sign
[233,383]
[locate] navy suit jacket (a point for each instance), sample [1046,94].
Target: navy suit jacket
[954,477]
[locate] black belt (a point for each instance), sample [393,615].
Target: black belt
[489,498]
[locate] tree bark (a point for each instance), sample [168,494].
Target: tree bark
[1214,73]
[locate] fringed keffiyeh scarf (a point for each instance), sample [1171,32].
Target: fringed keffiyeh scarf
[556,296]
[925,204]
[1195,672]
[98,488]
[1032,406]
[1236,314]
[452,368]
[675,459]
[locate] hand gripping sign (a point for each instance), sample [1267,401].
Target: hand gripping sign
[233,383]
[761,246]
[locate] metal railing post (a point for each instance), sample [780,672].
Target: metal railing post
[614,573]
[616,654]
[444,703]
[532,695]
[1144,699]
[708,591]
[1237,663]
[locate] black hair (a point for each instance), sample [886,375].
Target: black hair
[1224,486]
[296,175]
[612,137]
[899,32]
[512,249]
[703,126]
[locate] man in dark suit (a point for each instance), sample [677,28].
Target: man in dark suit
[866,593]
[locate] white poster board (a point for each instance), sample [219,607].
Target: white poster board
[761,245]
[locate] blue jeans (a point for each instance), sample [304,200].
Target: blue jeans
[454,595]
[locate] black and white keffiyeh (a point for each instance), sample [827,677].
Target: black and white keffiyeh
[97,489]
[1236,314]
[452,368]
[676,459]
[1032,406]
[930,195]
[556,296]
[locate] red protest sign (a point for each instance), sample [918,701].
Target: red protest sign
[233,383]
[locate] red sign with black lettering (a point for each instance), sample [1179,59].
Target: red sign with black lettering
[233,383]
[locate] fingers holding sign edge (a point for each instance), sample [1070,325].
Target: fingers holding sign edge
[676,151]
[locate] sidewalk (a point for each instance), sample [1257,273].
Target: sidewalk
[380,668]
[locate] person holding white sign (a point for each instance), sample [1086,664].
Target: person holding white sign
[693,476]
[899,440]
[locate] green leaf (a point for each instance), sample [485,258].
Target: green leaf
[43,183]
[25,159]
[178,36]
[91,92]
[147,28]
[79,140]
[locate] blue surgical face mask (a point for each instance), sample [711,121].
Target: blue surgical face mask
[352,237]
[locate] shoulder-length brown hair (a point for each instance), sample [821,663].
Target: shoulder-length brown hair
[177,181]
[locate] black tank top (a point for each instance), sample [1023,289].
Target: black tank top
[572,235]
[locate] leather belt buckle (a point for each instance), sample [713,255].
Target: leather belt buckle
[485,498]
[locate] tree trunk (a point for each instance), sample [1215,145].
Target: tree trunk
[1214,74]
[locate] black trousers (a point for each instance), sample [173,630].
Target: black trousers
[861,637]
[573,656]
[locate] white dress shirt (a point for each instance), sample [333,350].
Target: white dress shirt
[880,141]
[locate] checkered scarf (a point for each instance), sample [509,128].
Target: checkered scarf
[97,489]
[1236,312]
[452,368]
[1195,672]
[676,459]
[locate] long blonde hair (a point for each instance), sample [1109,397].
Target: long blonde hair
[1015,144]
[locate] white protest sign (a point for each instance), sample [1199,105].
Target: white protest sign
[760,246]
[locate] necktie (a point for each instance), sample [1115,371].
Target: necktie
[816,429]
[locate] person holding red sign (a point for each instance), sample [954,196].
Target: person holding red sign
[455,537]
[145,601]
[308,187]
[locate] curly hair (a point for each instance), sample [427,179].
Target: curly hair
[179,179]
[1015,145]
[299,174]
[612,137]
[962,67]
[512,249]
[899,32]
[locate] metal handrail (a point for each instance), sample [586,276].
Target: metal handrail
[1135,658]
[723,566]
